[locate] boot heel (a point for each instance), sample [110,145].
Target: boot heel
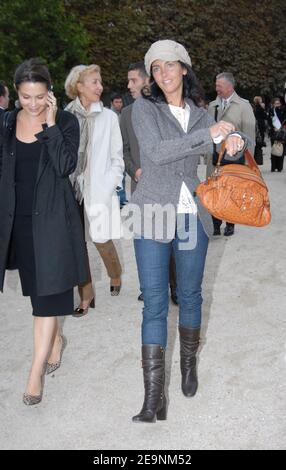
[92,303]
[153,363]
[162,414]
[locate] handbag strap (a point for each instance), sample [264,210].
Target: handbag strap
[216,112]
[247,154]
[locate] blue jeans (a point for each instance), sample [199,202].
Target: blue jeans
[153,259]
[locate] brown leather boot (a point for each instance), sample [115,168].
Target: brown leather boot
[154,406]
[189,343]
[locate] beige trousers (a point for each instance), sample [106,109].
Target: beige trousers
[110,258]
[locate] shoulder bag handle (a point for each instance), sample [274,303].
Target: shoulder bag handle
[247,154]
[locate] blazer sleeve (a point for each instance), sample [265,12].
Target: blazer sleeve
[239,156]
[62,142]
[130,167]
[160,151]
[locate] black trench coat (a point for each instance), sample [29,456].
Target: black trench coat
[60,252]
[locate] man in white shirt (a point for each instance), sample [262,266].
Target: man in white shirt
[230,107]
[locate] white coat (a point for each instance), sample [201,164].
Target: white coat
[103,173]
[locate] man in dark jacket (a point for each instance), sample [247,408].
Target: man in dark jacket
[137,79]
[4,97]
[277,126]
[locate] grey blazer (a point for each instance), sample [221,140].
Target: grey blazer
[169,156]
[131,152]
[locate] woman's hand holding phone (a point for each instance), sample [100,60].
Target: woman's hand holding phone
[51,109]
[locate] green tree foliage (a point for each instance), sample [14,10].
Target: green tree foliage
[40,28]
[116,29]
[246,37]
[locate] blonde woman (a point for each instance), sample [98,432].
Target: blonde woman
[98,173]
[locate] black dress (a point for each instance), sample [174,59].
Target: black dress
[27,162]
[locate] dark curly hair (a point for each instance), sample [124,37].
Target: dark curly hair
[191,88]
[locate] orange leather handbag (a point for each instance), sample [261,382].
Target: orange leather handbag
[236,193]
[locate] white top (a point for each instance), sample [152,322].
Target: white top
[186,203]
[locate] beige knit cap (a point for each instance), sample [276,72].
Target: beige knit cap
[166,50]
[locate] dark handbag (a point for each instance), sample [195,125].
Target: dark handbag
[280,136]
[236,193]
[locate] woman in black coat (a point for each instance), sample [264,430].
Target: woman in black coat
[277,122]
[40,232]
[260,115]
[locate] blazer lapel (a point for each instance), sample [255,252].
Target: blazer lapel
[196,114]
[44,158]
[11,145]
[166,110]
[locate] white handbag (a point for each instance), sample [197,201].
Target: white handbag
[276,121]
[277,149]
